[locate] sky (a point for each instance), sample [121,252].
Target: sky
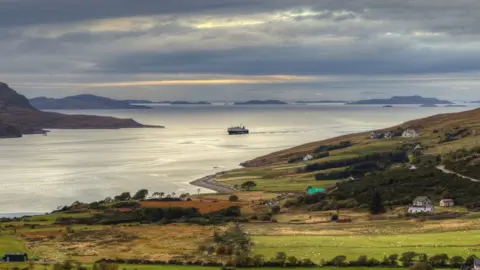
[241,49]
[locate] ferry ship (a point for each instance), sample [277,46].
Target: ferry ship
[237,130]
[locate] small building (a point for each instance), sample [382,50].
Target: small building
[410,133]
[418,147]
[446,203]
[15,257]
[388,135]
[376,135]
[476,264]
[413,167]
[308,157]
[314,190]
[422,201]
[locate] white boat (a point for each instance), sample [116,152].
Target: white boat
[237,130]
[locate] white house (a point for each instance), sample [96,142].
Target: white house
[418,147]
[308,157]
[413,167]
[446,203]
[410,133]
[421,204]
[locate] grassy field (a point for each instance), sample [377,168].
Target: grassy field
[326,247]
[10,243]
[180,267]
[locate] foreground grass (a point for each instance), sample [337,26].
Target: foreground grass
[462,243]
[10,243]
[172,267]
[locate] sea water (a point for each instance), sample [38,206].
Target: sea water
[39,173]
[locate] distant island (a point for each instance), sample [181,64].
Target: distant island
[455,106]
[84,101]
[261,102]
[188,103]
[401,100]
[387,106]
[18,117]
[320,101]
[428,105]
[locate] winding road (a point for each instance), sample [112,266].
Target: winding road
[445,170]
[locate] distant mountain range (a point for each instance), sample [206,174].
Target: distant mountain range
[402,100]
[320,101]
[261,102]
[85,101]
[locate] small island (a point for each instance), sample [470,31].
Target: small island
[455,106]
[261,102]
[320,102]
[404,100]
[189,103]
[428,105]
[387,106]
[82,102]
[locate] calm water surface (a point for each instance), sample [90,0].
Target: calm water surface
[39,173]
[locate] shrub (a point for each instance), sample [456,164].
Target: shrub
[233,198]
[276,209]
[421,266]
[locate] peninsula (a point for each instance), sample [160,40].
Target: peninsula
[80,102]
[261,102]
[398,100]
[18,116]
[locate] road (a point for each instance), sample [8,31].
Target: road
[445,170]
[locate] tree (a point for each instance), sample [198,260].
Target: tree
[446,195]
[470,260]
[392,259]
[276,209]
[280,258]
[376,205]
[125,196]
[439,260]
[407,258]
[258,260]
[248,185]
[339,261]
[457,261]
[140,195]
[292,261]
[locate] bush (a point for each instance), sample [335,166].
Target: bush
[276,209]
[421,266]
[233,198]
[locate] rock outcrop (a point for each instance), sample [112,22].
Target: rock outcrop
[17,114]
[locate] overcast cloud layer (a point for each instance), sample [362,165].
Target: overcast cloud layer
[241,49]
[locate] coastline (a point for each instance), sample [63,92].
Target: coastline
[209,182]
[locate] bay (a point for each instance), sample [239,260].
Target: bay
[39,173]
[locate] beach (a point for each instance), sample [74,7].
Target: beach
[209,182]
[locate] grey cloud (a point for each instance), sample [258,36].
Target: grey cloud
[382,59]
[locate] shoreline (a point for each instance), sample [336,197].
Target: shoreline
[209,182]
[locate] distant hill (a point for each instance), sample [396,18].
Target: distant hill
[18,116]
[85,101]
[402,100]
[321,101]
[261,102]
[180,102]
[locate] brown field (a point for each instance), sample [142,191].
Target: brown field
[202,206]
[127,242]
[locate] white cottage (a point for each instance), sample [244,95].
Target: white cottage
[476,264]
[410,133]
[308,157]
[421,204]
